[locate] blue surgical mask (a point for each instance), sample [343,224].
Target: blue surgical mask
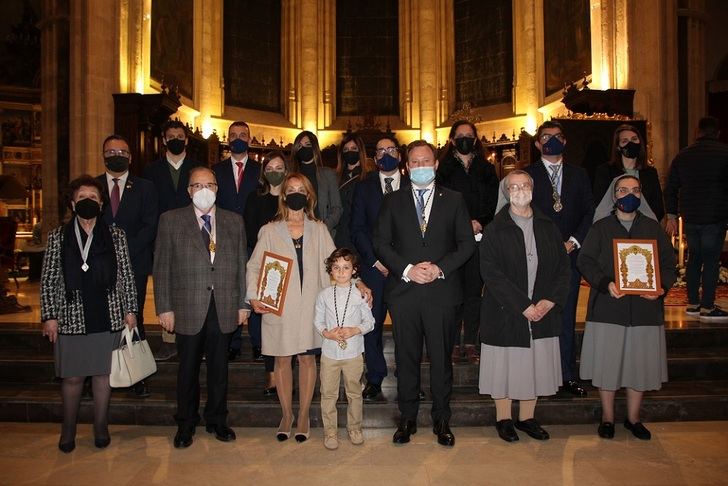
[628,203]
[388,163]
[238,146]
[422,176]
[553,146]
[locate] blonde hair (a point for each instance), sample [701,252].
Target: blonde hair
[282,214]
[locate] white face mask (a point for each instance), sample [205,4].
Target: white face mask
[521,199]
[204,199]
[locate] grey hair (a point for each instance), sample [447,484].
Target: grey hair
[517,172]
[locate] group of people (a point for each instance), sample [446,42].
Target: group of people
[435,242]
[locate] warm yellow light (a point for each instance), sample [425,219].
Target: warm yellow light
[531,124]
[207,127]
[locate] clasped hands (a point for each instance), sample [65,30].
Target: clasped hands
[535,312]
[424,272]
[341,333]
[618,295]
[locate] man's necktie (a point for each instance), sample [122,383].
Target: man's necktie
[240,173]
[115,197]
[388,185]
[206,230]
[421,209]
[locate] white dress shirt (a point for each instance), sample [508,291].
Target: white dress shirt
[358,314]
[428,197]
[235,168]
[201,223]
[396,179]
[121,183]
[175,165]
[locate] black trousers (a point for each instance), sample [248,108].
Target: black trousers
[214,344]
[373,341]
[568,329]
[410,323]
[140,282]
[467,315]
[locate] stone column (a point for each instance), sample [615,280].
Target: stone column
[308,26]
[526,85]
[94,78]
[208,38]
[427,46]
[696,104]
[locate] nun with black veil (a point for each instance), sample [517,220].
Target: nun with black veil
[624,337]
[526,272]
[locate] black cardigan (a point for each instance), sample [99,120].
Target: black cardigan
[596,264]
[479,186]
[504,271]
[649,180]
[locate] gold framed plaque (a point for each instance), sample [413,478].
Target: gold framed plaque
[273,282]
[637,267]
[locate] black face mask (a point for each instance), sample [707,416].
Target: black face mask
[465,145]
[87,208]
[176,146]
[305,154]
[351,157]
[296,201]
[117,163]
[631,150]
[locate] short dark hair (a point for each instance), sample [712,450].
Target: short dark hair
[169,124]
[421,143]
[709,126]
[87,181]
[391,138]
[549,124]
[114,136]
[239,123]
[344,253]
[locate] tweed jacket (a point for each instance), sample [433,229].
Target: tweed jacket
[53,303]
[184,277]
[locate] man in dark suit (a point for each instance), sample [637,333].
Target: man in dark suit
[199,293]
[563,192]
[237,177]
[423,237]
[368,196]
[133,208]
[170,176]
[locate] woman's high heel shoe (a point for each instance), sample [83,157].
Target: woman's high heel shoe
[303,436]
[284,432]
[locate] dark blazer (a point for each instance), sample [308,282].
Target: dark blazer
[137,216]
[479,186]
[184,278]
[365,205]
[167,197]
[448,243]
[504,270]
[228,195]
[596,263]
[576,197]
[649,180]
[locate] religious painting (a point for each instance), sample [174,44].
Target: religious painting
[20,43]
[171,44]
[16,127]
[483,52]
[567,42]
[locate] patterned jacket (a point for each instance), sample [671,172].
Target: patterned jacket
[53,304]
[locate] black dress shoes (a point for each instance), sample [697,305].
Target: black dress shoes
[638,430]
[67,447]
[222,432]
[102,442]
[421,396]
[532,428]
[257,354]
[232,354]
[270,391]
[444,435]
[506,431]
[141,390]
[606,430]
[573,388]
[404,430]
[183,438]
[372,392]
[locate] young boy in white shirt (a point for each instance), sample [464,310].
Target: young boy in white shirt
[342,317]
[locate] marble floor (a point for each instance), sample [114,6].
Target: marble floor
[679,453]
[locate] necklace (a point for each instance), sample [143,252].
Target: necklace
[423,224]
[84,249]
[298,242]
[340,323]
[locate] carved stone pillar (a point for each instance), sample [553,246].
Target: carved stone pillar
[208,39]
[526,93]
[695,72]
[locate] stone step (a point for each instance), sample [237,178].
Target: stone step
[18,366]
[696,400]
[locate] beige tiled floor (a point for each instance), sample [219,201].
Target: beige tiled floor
[680,453]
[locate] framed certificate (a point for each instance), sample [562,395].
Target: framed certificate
[273,282]
[636,267]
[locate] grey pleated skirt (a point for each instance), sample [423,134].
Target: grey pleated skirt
[615,356]
[85,354]
[521,373]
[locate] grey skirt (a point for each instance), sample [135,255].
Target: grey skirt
[615,356]
[85,354]
[521,373]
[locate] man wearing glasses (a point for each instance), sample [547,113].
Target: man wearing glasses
[199,291]
[368,197]
[563,192]
[133,208]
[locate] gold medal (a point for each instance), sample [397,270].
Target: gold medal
[558,206]
[423,228]
[342,344]
[211,246]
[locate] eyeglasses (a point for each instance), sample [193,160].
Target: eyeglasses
[389,150]
[111,153]
[545,137]
[197,185]
[525,186]
[626,190]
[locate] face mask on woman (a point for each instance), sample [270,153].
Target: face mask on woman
[296,201]
[87,208]
[628,203]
